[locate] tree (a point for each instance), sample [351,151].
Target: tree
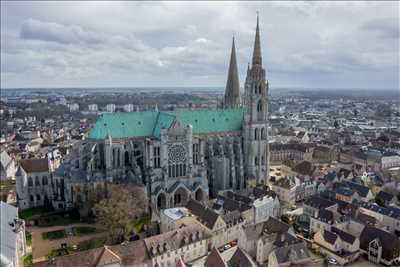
[380,201]
[119,211]
[336,124]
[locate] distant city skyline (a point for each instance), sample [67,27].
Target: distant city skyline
[178,44]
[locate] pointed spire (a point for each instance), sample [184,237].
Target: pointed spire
[257,60]
[232,89]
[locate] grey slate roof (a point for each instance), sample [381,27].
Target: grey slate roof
[292,253]
[343,235]
[385,196]
[330,237]
[325,216]
[206,216]
[318,202]
[271,226]
[361,189]
[240,259]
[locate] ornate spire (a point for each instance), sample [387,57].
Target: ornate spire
[257,60]
[232,89]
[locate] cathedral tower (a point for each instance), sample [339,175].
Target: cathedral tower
[256,117]
[232,89]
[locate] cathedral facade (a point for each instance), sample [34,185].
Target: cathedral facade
[178,155]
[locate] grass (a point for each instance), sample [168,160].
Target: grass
[31,212]
[54,235]
[59,252]
[27,260]
[140,223]
[54,220]
[28,236]
[84,230]
[92,243]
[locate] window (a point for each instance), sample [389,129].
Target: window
[44,180]
[37,182]
[32,198]
[38,197]
[256,134]
[262,134]
[177,198]
[259,106]
[177,170]
[196,152]
[256,160]
[156,157]
[30,181]
[113,157]
[119,158]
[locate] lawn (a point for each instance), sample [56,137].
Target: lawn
[28,236]
[92,243]
[59,252]
[54,235]
[27,260]
[31,212]
[84,230]
[140,223]
[54,220]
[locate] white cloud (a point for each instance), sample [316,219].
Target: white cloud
[178,43]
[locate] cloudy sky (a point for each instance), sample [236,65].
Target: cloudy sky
[138,44]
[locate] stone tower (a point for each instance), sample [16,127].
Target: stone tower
[256,117]
[232,89]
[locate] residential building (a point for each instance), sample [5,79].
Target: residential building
[13,240]
[285,188]
[7,167]
[34,183]
[380,246]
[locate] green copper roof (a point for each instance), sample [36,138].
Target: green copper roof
[150,123]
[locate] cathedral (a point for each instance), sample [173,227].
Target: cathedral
[181,154]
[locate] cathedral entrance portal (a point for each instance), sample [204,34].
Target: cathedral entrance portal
[161,201]
[199,194]
[180,197]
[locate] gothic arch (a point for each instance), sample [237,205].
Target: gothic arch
[259,89]
[161,201]
[127,160]
[259,106]
[256,134]
[119,158]
[181,196]
[113,157]
[262,133]
[199,194]
[255,160]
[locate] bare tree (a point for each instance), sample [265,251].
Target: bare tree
[118,212]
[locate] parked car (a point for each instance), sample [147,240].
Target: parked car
[227,247]
[332,261]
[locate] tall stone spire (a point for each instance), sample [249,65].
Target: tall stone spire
[257,60]
[232,89]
